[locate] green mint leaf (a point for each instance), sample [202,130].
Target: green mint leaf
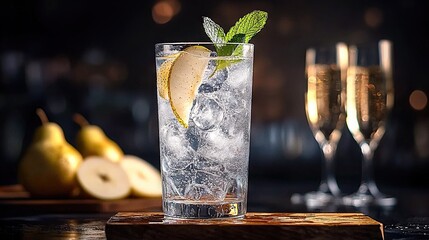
[238,49]
[228,49]
[238,38]
[250,25]
[213,31]
[245,28]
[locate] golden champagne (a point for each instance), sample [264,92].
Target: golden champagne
[367,100]
[323,99]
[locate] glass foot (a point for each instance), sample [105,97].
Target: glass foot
[385,201]
[314,199]
[365,199]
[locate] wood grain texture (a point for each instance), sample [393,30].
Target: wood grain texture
[152,225]
[15,201]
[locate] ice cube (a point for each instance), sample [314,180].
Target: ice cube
[239,74]
[207,186]
[197,191]
[215,82]
[206,113]
[209,165]
[233,124]
[193,135]
[230,150]
[233,101]
[176,151]
[177,181]
[237,184]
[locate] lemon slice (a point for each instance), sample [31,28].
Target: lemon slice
[163,74]
[184,79]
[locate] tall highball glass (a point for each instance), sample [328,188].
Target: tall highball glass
[204,110]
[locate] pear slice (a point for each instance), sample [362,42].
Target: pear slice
[185,77]
[103,179]
[145,179]
[163,73]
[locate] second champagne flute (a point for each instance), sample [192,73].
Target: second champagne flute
[324,102]
[369,101]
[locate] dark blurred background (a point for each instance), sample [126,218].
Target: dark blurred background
[97,58]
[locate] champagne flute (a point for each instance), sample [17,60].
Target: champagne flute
[369,101]
[324,103]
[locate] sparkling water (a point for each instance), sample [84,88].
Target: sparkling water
[205,166]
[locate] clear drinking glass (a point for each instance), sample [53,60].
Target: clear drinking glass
[204,165]
[369,101]
[324,103]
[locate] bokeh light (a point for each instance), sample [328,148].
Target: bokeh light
[418,100]
[285,26]
[163,11]
[373,17]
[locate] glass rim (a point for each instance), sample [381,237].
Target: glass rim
[201,43]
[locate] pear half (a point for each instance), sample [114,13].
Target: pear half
[103,179]
[145,178]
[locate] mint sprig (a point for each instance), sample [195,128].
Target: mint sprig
[243,30]
[249,25]
[213,30]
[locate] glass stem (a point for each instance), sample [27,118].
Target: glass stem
[367,185]
[328,182]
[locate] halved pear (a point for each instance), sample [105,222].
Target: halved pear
[163,73]
[145,179]
[184,80]
[103,179]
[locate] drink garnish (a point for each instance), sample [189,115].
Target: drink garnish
[184,79]
[243,30]
[163,74]
[178,82]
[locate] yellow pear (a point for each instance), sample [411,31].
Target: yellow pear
[91,140]
[50,132]
[49,166]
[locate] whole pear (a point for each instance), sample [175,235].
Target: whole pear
[49,165]
[91,140]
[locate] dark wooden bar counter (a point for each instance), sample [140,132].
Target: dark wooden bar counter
[69,219]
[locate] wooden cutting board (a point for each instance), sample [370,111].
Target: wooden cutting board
[261,226]
[14,200]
